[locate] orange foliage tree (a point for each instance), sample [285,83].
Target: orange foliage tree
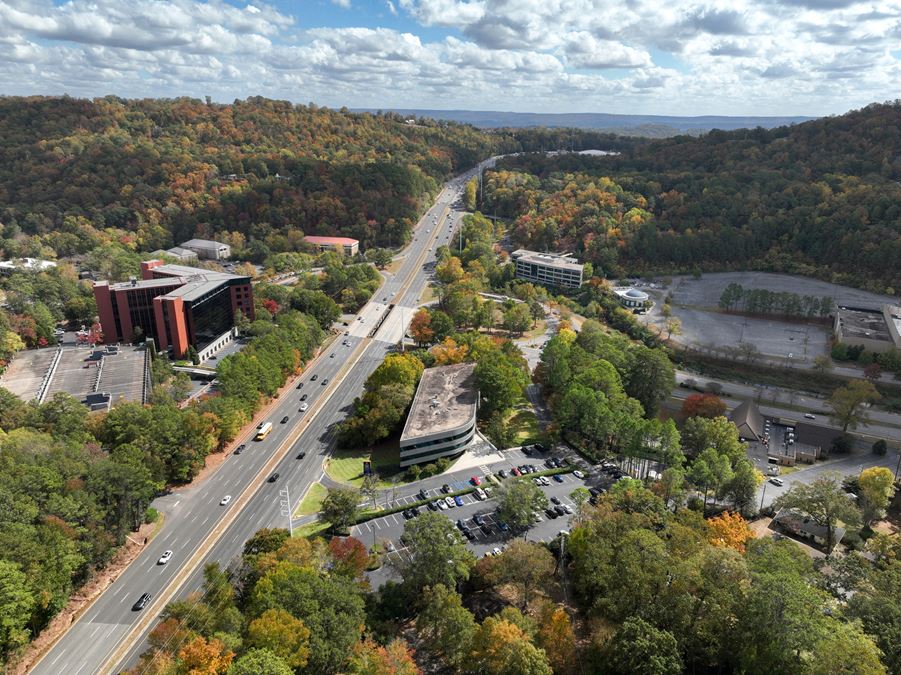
[730,530]
[421,327]
[703,405]
[202,657]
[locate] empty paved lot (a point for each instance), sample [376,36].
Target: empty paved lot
[74,375]
[123,375]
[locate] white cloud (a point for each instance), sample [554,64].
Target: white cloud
[683,56]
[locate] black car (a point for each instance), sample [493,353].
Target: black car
[445,488]
[325,382]
[526,450]
[550,512]
[555,500]
[141,603]
[502,473]
[303,398]
[478,519]
[300,386]
[301,454]
[560,510]
[285,419]
[240,449]
[461,525]
[433,506]
[274,477]
[468,534]
[314,378]
[540,447]
[549,463]
[408,514]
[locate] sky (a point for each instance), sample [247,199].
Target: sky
[667,57]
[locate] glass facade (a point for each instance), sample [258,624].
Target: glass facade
[210,316]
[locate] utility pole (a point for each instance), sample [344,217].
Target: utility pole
[763,495]
[285,503]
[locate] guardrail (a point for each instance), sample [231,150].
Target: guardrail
[45,383]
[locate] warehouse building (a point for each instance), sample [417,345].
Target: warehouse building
[344,245]
[178,306]
[549,269]
[442,418]
[873,329]
[208,250]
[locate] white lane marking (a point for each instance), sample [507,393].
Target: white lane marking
[378,527]
[174,541]
[176,503]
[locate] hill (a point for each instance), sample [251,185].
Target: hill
[651,126]
[820,198]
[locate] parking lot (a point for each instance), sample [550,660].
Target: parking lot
[390,528]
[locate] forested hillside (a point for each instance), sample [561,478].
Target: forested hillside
[165,170]
[820,198]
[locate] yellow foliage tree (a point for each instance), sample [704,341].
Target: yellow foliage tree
[729,530]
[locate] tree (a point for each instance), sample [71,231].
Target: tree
[742,487]
[729,530]
[876,605]
[421,327]
[703,405]
[824,501]
[822,363]
[283,635]
[872,372]
[517,500]
[651,378]
[501,648]
[205,657]
[370,658]
[16,605]
[518,319]
[673,327]
[339,508]
[637,648]
[525,564]
[445,626]
[845,649]
[500,382]
[848,403]
[555,636]
[437,553]
[260,662]
[349,555]
[876,488]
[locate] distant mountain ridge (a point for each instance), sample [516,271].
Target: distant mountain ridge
[641,125]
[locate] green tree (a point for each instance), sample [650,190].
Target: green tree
[651,379]
[16,605]
[438,554]
[845,649]
[445,626]
[637,648]
[260,662]
[501,383]
[848,403]
[876,605]
[339,508]
[527,565]
[742,488]
[824,501]
[518,319]
[516,501]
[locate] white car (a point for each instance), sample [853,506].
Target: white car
[164,558]
[442,505]
[578,474]
[303,407]
[225,500]
[450,502]
[568,508]
[777,481]
[480,493]
[496,551]
[545,481]
[810,416]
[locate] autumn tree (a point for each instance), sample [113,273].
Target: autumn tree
[555,636]
[876,490]
[350,556]
[283,635]
[371,658]
[205,657]
[526,565]
[500,647]
[703,405]
[421,327]
[729,530]
[445,626]
[848,403]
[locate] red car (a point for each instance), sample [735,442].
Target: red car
[475,480]
[515,471]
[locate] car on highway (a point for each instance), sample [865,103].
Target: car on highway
[458,500]
[303,407]
[810,416]
[225,500]
[314,378]
[332,355]
[164,558]
[325,382]
[274,477]
[300,386]
[778,482]
[141,603]
[303,398]
[285,419]
[240,449]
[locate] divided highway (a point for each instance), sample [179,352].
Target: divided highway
[110,636]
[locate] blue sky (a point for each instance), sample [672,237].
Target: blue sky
[683,57]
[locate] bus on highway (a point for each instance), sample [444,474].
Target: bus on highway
[263,430]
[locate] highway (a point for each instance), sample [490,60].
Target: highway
[110,636]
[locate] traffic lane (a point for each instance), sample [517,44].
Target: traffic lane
[849,466]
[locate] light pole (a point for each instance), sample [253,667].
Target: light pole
[763,495]
[285,503]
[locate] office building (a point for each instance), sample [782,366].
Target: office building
[548,269]
[442,418]
[208,250]
[177,306]
[873,329]
[344,245]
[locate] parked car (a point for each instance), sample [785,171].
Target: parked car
[567,508]
[478,519]
[557,477]
[458,500]
[461,525]
[560,510]
[555,500]
[480,494]
[475,480]
[578,474]
[433,506]
[141,603]
[423,494]
[164,558]
[550,513]
[451,503]
[502,473]
[445,488]
[777,481]
[515,471]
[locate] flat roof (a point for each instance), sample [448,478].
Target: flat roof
[343,241]
[190,282]
[204,243]
[445,399]
[863,323]
[548,259]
